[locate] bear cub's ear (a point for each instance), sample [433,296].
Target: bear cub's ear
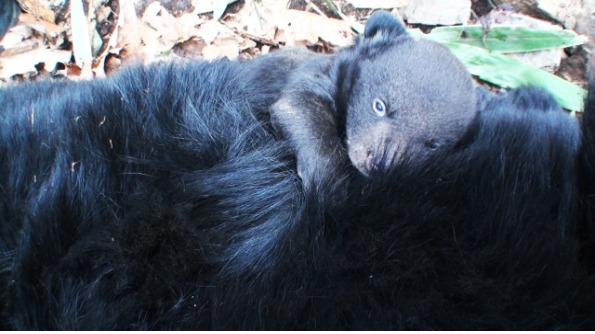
[384,23]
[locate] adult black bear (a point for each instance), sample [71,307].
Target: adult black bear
[161,199]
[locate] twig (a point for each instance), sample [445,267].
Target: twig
[316,9]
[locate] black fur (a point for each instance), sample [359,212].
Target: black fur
[369,103]
[161,198]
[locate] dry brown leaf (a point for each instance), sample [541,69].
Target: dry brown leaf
[47,28]
[258,18]
[209,30]
[37,9]
[246,44]
[127,32]
[187,25]
[158,31]
[302,28]
[271,20]
[225,47]
[222,41]
[25,63]
[16,35]
[161,21]
[191,48]
[23,47]
[170,28]
[139,37]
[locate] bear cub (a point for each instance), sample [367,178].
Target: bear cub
[160,198]
[387,97]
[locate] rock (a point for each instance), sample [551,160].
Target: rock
[438,12]
[585,24]
[548,60]
[563,11]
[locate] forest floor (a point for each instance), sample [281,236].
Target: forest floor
[43,42]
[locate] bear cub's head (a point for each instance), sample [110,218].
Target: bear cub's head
[401,97]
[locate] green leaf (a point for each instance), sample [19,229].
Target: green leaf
[508,72]
[505,39]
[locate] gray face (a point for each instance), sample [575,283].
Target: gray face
[415,97]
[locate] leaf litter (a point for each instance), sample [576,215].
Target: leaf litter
[56,38]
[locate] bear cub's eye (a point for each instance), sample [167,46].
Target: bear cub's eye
[434,144]
[379,107]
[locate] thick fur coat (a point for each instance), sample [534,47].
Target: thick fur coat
[162,198]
